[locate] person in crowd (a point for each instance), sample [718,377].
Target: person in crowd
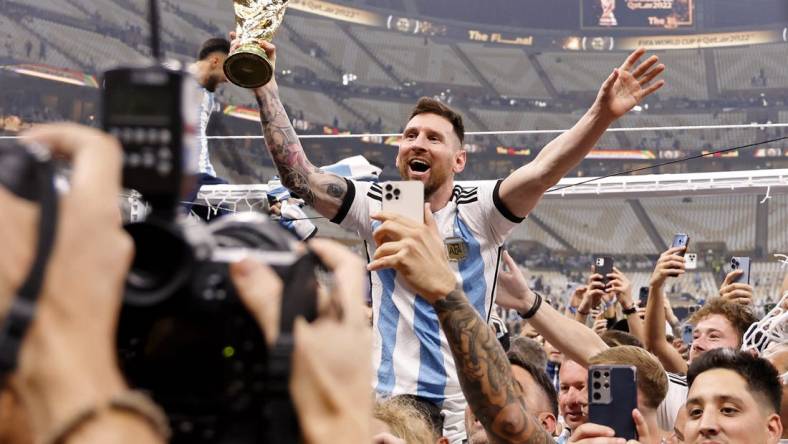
[529,350]
[722,322]
[400,418]
[554,360]
[652,383]
[67,378]
[578,342]
[411,357]
[572,396]
[208,71]
[734,398]
[539,397]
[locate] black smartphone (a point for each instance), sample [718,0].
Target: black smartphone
[643,297]
[680,240]
[612,395]
[743,264]
[603,265]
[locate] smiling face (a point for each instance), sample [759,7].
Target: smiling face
[713,331]
[573,394]
[430,152]
[721,408]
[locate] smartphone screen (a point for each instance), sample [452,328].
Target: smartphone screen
[680,240]
[643,297]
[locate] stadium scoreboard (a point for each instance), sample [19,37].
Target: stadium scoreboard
[636,14]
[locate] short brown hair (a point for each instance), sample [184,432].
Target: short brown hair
[428,105]
[740,316]
[614,338]
[651,377]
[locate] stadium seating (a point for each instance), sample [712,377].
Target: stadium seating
[340,50]
[778,224]
[9,39]
[596,226]
[418,59]
[508,69]
[100,51]
[729,219]
[736,67]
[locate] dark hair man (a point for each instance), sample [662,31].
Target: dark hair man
[733,398]
[208,70]
[539,397]
[410,355]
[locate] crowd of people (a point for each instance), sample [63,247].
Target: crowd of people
[443,369]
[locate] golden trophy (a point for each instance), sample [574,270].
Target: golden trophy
[247,66]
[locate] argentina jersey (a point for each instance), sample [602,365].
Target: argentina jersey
[411,355]
[206,108]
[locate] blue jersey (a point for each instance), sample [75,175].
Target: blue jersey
[411,354]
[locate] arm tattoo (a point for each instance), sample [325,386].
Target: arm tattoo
[486,375]
[320,190]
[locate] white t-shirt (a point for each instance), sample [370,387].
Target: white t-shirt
[410,352]
[673,402]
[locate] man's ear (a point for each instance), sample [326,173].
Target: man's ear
[442,440]
[460,157]
[549,422]
[775,427]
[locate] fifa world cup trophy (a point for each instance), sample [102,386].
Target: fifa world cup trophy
[247,66]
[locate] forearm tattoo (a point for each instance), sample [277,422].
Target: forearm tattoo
[295,170]
[486,375]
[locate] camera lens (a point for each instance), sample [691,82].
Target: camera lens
[388,196]
[162,264]
[597,374]
[597,385]
[388,187]
[396,192]
[597,396]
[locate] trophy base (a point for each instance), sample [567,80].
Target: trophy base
[248,66]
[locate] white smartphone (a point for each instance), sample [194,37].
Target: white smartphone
[691,261]
[405,198]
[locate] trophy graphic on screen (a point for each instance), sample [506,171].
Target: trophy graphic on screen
[247,66]
[607,18]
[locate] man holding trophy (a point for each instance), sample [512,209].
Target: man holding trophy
[411,353]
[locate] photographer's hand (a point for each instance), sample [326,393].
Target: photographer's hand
[68,361]
[331,369]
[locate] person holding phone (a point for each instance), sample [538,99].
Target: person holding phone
[410,355]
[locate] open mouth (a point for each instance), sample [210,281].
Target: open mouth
[419,166]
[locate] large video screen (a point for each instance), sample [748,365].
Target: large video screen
[636,14]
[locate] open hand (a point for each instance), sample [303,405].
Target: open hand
[627,85]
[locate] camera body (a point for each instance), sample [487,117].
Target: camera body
[183,333]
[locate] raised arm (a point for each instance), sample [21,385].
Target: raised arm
[624,88]
[622,287]
[496,399]
[669,264]
[323,191]
[574,339]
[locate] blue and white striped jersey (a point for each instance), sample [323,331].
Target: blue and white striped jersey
[206,108]
[411,354]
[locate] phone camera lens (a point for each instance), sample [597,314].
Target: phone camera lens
[388,196]
[388,187]
[597,396]
[607,385]
[396,192]
[607,374]
[597,385]
[596,374]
